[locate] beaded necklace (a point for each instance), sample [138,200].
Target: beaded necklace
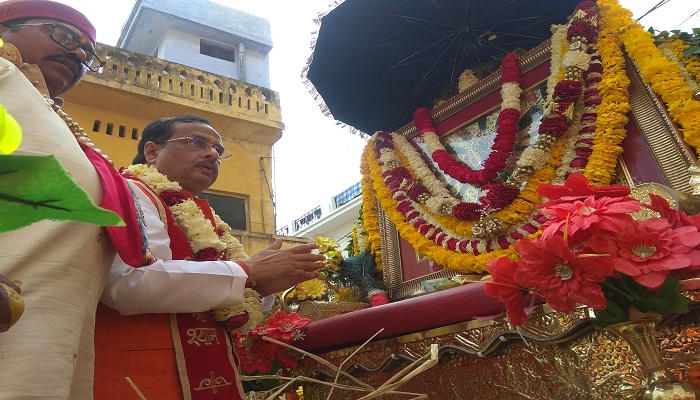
[75,128]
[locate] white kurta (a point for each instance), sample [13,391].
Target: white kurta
[172,286]
[63,266]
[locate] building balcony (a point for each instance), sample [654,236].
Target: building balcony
[239,110]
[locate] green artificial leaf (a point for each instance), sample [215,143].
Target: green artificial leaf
[692,50]
[664,300]
[35,188]
[696,31]
[612,314]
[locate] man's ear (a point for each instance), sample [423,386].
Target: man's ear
[150,152]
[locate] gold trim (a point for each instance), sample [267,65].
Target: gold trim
[673,157]
[396,287]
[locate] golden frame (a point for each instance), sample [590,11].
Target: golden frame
[648,117]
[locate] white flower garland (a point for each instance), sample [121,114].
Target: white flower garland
[200,235]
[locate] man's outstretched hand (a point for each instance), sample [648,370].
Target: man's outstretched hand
[274,269]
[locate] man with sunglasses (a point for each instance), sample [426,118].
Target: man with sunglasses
[62,266]
[178,158]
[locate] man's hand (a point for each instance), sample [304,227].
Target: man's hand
[274,270]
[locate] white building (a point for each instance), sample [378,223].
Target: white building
[333,220]
[201,34]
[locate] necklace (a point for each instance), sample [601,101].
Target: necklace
[206,243]
[75,128]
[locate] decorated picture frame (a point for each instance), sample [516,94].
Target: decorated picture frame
[653,152]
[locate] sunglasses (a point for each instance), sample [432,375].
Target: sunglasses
[203,144]
[68,40]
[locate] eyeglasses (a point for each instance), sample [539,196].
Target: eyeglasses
[68,40]
[203,144]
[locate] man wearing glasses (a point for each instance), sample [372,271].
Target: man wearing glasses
[198,269]
[62,266]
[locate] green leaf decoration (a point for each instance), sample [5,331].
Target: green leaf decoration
[35,188]
[612,314]
[10,132]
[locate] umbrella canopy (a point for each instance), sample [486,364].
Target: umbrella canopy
[376,61]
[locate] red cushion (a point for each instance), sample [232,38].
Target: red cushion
[415,314]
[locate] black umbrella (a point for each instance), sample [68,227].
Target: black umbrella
[376,61]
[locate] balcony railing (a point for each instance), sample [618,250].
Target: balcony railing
[307,219]
[167,78]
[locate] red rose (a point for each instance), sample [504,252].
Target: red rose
[567,90]
[499,196]
[207,254]
[581,28]
[466,211]
[172,197]
[235,321]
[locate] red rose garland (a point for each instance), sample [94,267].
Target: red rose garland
[503,143]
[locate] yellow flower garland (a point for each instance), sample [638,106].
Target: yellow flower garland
[612,112]
[370,214]
[691,65]
[662,75]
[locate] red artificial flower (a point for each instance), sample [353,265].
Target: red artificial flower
[283,325]
[286,358]
[674,217]
[577,186]
[505,288]
[564,278]
[251,362]
[579,219]
[172,197]
[650,250]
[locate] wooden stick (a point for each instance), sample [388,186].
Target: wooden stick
[133,386]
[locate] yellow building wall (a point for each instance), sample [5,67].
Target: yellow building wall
[125,101]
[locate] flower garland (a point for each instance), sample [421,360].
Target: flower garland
[662,75]
[673,49]
[559,45]
[370,208]
[206,243]
[503,143]
[447,240]
[614,105]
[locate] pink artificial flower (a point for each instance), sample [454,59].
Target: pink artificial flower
[505,288]
[576,218]
[283,325]
[650,250]
[564,278]
[577,186]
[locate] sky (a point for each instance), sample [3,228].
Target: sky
[317,159]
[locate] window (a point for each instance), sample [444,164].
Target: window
[217,51]
[230,209]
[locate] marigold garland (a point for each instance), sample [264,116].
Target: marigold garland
[612,112]
[673,49]
[401,195]
[370,212]
[662,75]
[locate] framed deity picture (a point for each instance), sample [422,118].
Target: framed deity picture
[466,125]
